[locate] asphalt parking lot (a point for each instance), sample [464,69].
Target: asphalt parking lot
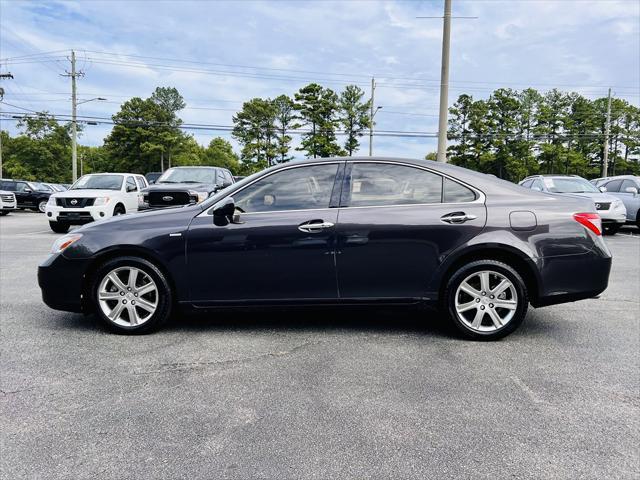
[316,393]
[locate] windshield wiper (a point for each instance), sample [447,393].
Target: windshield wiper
[166,181]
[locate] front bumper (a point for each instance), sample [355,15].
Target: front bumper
[8,206]
[61,282]
[615,214]
[78,216]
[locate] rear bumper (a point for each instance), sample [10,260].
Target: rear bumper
[61,283]
[569,278]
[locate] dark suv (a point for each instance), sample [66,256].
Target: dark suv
[31,195]
[186,185]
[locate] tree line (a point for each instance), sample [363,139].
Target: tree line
[511,134]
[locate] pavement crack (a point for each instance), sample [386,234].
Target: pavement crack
[186,366]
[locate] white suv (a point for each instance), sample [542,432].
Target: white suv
[7,202]
[95,197]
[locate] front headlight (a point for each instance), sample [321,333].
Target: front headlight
[201,196]
[101,201]
[52,201]
[65,241]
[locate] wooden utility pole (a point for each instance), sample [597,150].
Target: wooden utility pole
[607,128]
[74,109]
[444,84]
[371,115]
[2,76]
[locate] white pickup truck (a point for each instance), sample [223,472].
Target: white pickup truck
[95,197]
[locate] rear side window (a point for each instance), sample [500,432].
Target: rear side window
[457,193]
[613,186]
[378,184]
[527,184]
[141,183]
[9,186]
[299,188]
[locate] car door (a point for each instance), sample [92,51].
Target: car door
[394,228]
[631,200]
[131,194]
[280,246]
[24,195]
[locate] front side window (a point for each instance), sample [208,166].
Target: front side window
[21,187]
[613,186]
[626,184]
[377,184]
[100,182]
[131,185]
[299,188]
[527,184]
[141,183]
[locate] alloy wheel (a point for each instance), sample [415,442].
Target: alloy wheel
[42,206]
[486,301]
[128,296]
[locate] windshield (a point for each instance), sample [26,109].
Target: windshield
[188,175]
[99,182]
[569,185]
[38,186]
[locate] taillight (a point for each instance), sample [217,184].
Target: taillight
[590,220]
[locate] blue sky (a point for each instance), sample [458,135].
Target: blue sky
[220,53]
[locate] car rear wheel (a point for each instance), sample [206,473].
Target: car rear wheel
[611,229]
[59,227]
[486,299]
[41,205]
[4,212]
[131,295]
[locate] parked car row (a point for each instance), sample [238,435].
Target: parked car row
[29,195]
[627,189]
[103,195]
[612,210]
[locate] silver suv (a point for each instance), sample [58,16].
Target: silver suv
[611,209]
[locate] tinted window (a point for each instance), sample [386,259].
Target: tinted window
[613,186]
[456,193]
[374,184]
[20,186]
[9,186]
[131,184]
[294,189]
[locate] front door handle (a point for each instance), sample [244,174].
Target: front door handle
[314,226]
[457,217]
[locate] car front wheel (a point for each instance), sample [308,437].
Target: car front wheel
[131,295]
[611,229]
[486,299]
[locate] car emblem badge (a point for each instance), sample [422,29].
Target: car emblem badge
[74,202]
[597,206]
[167,198]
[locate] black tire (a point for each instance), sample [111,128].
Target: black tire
[4,212]
[611,229]
[119,210]
[522,299]
[41,205]
[164,295]
[59,227]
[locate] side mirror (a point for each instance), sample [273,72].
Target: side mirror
[602,189]
[131,188]
[27,190]
[226,184]
[633,190]
[223,212]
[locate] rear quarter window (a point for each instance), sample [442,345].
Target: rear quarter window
[457,193]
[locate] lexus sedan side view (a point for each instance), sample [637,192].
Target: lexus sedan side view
[339,231]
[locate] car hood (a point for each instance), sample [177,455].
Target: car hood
[596,197]
[88,193]
[179,187]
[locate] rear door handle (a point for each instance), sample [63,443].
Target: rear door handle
[457,217]
[314,226]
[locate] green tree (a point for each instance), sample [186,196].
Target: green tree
[220,153]
[354,116]
[285,120]
[255,129]
[318,107]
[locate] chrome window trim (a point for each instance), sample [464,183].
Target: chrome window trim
[480,200]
